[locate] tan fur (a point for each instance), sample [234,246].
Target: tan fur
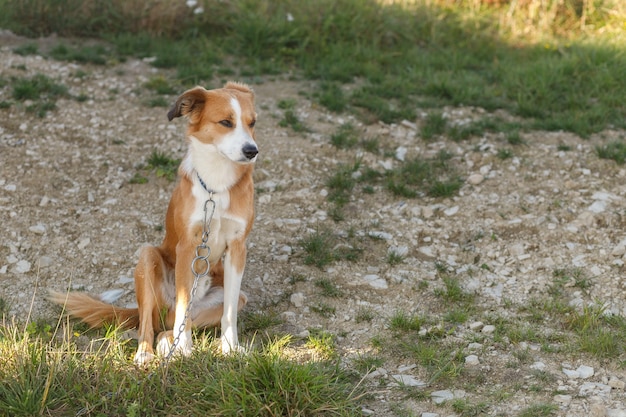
[221,137]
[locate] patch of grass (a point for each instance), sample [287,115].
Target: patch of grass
[323,343]
[562,70]
[504,154]
[36,87]
[514,138]
[346,137]
[539,410]
[96,54]
[331,96]
[159,85]
[401,321]
[40,89]
[439,359]
[49,378]
[164,165]
[615,150]
[138,179]
[364,314]
[328,288]
[27,49]
[317,247]
[258,321]
[157,102]
[465,408]
[324,310]
[290,119]
[452,291]
[434,125]
[394,258]
[341,183]
[433,177]
[367,363]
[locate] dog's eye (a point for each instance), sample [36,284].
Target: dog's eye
[252,123]
[226,123]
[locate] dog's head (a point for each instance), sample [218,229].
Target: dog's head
[223,118]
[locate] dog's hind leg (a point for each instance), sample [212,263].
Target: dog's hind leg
[149,276]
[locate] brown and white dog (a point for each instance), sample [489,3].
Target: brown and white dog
[219,162]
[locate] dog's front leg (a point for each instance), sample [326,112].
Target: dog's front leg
[184,282]
[234,264]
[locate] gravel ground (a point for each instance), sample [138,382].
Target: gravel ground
[71,218]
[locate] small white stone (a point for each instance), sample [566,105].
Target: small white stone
[539,366]
[408,380]
[451,211]
[430,415]
[616,383]
[83,243]
[377,372]
[598,206]
[22,267]
[404,368]
[571,374]
[475,346]
[38,229]
[401,153]
[297,299]
[476,326]
[475,179]
[289,316]
[375,281]
[472,360]
[563,399]
[488,329]
[45,262]
[380,235]
[619,250]
[110,296]
[585,371]
[439,397]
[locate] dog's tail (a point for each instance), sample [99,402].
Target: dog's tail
[95,312]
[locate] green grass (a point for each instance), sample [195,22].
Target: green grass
[59,378]
[164,165]
[615,150]
[407,56]
[328,288]
[400,321]
[539,410]
[346,137]
[27,49]
[160,85]
[98,54]
[41,90]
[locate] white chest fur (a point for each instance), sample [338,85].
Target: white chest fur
[223,226]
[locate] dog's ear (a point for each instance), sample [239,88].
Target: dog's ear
[188,102]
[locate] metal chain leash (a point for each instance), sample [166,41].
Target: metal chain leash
[200,262]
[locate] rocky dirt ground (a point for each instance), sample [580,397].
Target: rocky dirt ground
[71,218]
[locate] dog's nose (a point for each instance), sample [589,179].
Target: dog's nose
[250,151]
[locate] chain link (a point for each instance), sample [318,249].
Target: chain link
[201,262]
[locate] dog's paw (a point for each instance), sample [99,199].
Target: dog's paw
[232,349]
[165,341]
[143,358]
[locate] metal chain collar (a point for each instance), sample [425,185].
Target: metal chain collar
[200,262]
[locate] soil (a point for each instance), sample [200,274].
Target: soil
[71,218]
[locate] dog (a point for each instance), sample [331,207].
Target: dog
[216,172]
